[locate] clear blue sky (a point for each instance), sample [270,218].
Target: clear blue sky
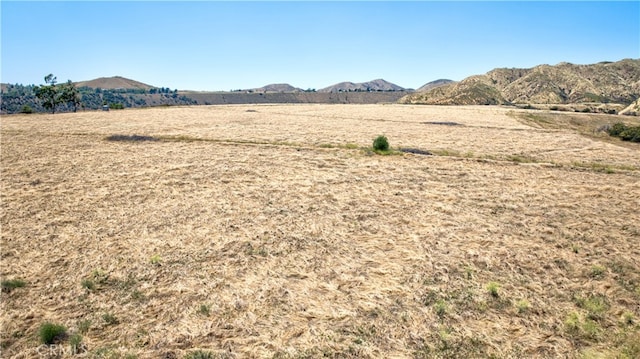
[232,45]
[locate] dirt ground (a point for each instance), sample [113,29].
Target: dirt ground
[271,231]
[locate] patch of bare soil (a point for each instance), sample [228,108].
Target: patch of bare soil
[270,233]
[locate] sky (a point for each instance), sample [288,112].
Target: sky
[212,46]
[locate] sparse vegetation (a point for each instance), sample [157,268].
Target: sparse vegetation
[10,284]
[493,289]
[440,308]
[204,309]
[384,256]
[75,343]
[51,333]
[582,328]
[597,271]
[110,319]
[199,354]
[523,306]
[88,284]
[84,326]
[155,259]
[595,305]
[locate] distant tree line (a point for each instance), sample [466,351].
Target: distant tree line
[53,97]
[368,89]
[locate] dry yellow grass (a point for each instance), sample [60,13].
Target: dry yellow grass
[244,234]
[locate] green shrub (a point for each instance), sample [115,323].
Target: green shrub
[381,144]
[11,284]
[523,306]
[631,134]
[616,129]
[626,133]
[26,109]
[52,333]
[88,284]
[204,310]
[440,308]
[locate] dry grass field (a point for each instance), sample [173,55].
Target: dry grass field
[271,232]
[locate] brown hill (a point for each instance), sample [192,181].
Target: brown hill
[375,85]
[115,82]
[565,83]
[278,88]
[433,84]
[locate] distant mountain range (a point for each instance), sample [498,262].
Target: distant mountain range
[610,87]
[378,85]
[605,82]
[375,85]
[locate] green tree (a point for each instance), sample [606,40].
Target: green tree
[49,94]
[70,95]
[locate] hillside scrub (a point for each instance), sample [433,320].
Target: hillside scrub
[624,132]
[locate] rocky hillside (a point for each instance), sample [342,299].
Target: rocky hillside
[605,82]
[633,109]
[375,85]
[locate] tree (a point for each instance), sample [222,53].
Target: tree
[49,94]
[70,95]
[52,95]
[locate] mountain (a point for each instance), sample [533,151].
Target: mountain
[433,84]
[564,83]
[278,88]
[115,82]
[375,85]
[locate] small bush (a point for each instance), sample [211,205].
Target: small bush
[580,327]
[26,109]
[109,318]
[523,306]
[597,271]
[381,143]
[88,284]
[440,308]
[204,310]
[492,288]
[199,354]
[155,259]
[84,326]
[11,284]
[75,342]
[595,305]
[52,333]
